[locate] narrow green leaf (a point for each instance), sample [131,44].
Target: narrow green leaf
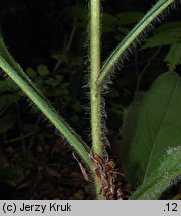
[4,53]
[152,124]
[13,70]
[7,56]
[168,173]
[131,37]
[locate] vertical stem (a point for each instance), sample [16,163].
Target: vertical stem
[95,91]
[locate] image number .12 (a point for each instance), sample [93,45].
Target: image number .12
[171,207]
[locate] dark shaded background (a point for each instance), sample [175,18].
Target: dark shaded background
[49,40]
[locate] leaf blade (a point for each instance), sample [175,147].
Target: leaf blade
[156,127]
[16,73]
[165,176]
[132,36]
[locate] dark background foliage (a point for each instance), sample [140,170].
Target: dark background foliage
[49,39]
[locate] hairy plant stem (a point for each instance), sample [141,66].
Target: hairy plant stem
[131,37]
[95,91]
[74,140]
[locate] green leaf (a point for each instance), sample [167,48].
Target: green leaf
[169,26]
[6,123]
[42,70]
[167,34]
[123,29]
[107,22]
[61,57]
[173,58]
[168,173]
[35,95]
[131,37]
[59,78]
[152,125]
[162,39]
[80,14]
[7,56]
[39,81]
[8,59]
[31,72]
[158,40]
[52,82]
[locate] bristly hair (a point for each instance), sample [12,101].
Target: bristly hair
[119,65]
[87,94]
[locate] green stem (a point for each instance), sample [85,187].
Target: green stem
[120,50]
[95,91]
[74,140]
